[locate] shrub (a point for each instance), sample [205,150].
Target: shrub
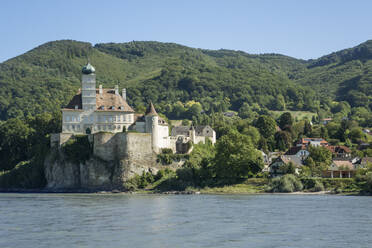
[26,174]
[77,149]
[287,183]
[318,186]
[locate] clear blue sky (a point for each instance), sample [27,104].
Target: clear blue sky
[301,29]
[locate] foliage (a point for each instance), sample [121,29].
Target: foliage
[286,184]
[266,125]
[77,149]
[25,175]
[236,157]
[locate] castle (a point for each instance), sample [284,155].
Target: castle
[94,110]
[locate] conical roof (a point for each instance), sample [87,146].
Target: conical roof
[151,110]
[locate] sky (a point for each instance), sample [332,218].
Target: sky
[301,29]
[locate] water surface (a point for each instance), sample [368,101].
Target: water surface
[76,220]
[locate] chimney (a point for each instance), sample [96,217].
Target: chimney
[124,94]
[100,89]
[116,89]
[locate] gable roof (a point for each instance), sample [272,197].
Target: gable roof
[180,130]
[295,149]
[339,149]
[286,159]
[107,100]
[338,164]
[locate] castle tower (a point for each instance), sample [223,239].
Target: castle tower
[88,81]
[152,122]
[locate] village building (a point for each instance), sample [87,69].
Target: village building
[340,152]
[299,151]
[276,167]
[340,169]
[312,142]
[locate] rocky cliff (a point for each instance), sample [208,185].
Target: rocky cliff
[106,161]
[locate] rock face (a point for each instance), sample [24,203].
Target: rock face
[115,158]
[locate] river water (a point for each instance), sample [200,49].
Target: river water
[116,220]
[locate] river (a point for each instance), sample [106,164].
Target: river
[117,220]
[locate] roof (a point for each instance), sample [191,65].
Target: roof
[339,149]
[88,69]
[180,130]
[308,140]
[108,100]
[295,149]
[290,158]
[151,110]
[337,164]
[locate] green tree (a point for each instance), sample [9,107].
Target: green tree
[266,125]
[236,157]
[283,140]
[285,120]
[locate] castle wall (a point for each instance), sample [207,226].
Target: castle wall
[58,139]
[163,136]
[116,158]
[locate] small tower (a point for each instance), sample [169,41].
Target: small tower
[88,93]
[152,122]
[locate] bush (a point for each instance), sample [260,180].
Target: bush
[286,184]
[318,186]
[77,149]
[26,174]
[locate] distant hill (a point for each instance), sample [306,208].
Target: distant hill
[45,78]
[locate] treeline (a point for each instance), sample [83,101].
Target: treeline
[45,78]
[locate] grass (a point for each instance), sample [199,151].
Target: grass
[299,115]
[249,186]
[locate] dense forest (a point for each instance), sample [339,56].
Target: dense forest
[264,92]
[170,75]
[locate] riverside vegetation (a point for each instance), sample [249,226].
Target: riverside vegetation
[198,86]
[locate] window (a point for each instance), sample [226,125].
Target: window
[124,119]
[67,118]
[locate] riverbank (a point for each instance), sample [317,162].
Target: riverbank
[249,186]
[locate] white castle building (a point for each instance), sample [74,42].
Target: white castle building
[94,110]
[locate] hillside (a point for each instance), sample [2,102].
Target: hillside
[45,78]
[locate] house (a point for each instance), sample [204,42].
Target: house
[299,151]
[340,169]
[196,134]
[312,141]
[276,166]
[340,152]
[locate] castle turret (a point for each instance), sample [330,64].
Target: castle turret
[152,122]
[88,93]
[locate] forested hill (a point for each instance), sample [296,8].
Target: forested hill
[45,78]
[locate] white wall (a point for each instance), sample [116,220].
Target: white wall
[108,121]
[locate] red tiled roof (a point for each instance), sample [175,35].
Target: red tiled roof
[339,149]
